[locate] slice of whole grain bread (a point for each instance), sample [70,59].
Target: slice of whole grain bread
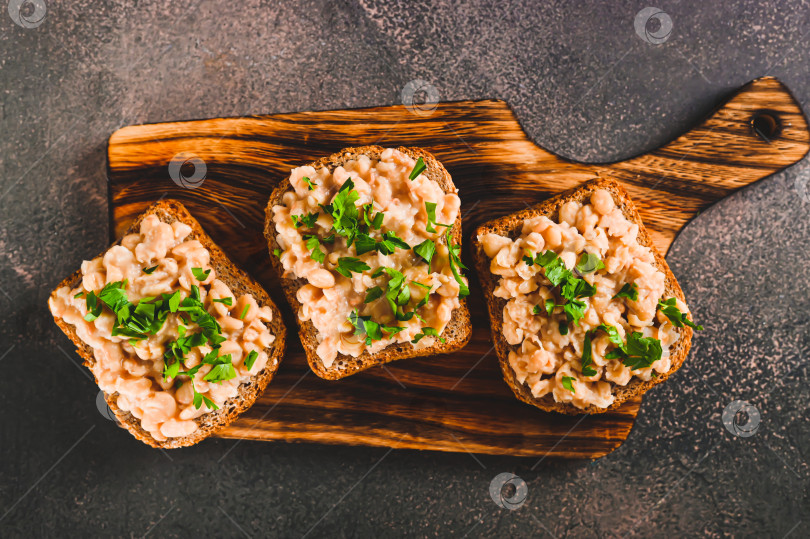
[457,332]
[510,226]
[239,282]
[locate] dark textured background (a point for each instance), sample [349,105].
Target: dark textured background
[583,84]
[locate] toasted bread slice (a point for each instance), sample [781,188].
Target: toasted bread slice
[457,332]
[510,226]
[239,282]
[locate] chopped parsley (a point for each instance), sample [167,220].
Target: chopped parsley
[678,319]
[307,221]
[310,184]
[251,359]
[430,208]
[427,331]
[570,287]
[224,301]
[149,271]
[629,291]
[244,311]
[199,274]
[348,265]
[588,263]
[567,383]
[373,294]
[455,264]
[418,168]
[365,326]
[314,245]
[277,252]
[425,250]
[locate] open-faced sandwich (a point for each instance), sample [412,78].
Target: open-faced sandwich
[585,311]
[367,244]
[179,339]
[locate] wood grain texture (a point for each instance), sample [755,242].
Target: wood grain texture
[456,402]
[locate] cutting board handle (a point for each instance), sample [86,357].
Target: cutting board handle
[759,131]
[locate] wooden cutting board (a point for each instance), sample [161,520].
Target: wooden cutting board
[455,402]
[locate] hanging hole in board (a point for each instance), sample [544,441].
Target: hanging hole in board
[766,125]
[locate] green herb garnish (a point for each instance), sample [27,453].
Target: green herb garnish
[307,221]
[224,301]
[418,168]
[588,263]
[199,274]
[348,265]
[678,319]
[426,250]
[433,332]
[455,264]
[310,184]
[251,359]
[629,291]
[566,383]
[149,271]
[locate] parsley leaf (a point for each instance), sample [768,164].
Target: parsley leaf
[641,352]
[310,184]
[629,291]
[94,307]
[199,274]
[343,211]
[566,383]
[364,325]
[223,370]
[149,271]
[348,265]
[425,250]
[678,319]
[430,208]
[277,252]
[251,359]
[455,264]
[588,263]
[587,356]
[433,332]
[372,294]
[224,301]
[307,221]
[418,168]
[244,311]
[364,243]
[316,253]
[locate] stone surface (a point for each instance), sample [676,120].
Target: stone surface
[583,84]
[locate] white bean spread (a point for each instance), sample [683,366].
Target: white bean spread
[168,337]
[366,237]
[584,304]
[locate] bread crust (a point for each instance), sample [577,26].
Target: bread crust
[240,282]
[457,332]
[510,225]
